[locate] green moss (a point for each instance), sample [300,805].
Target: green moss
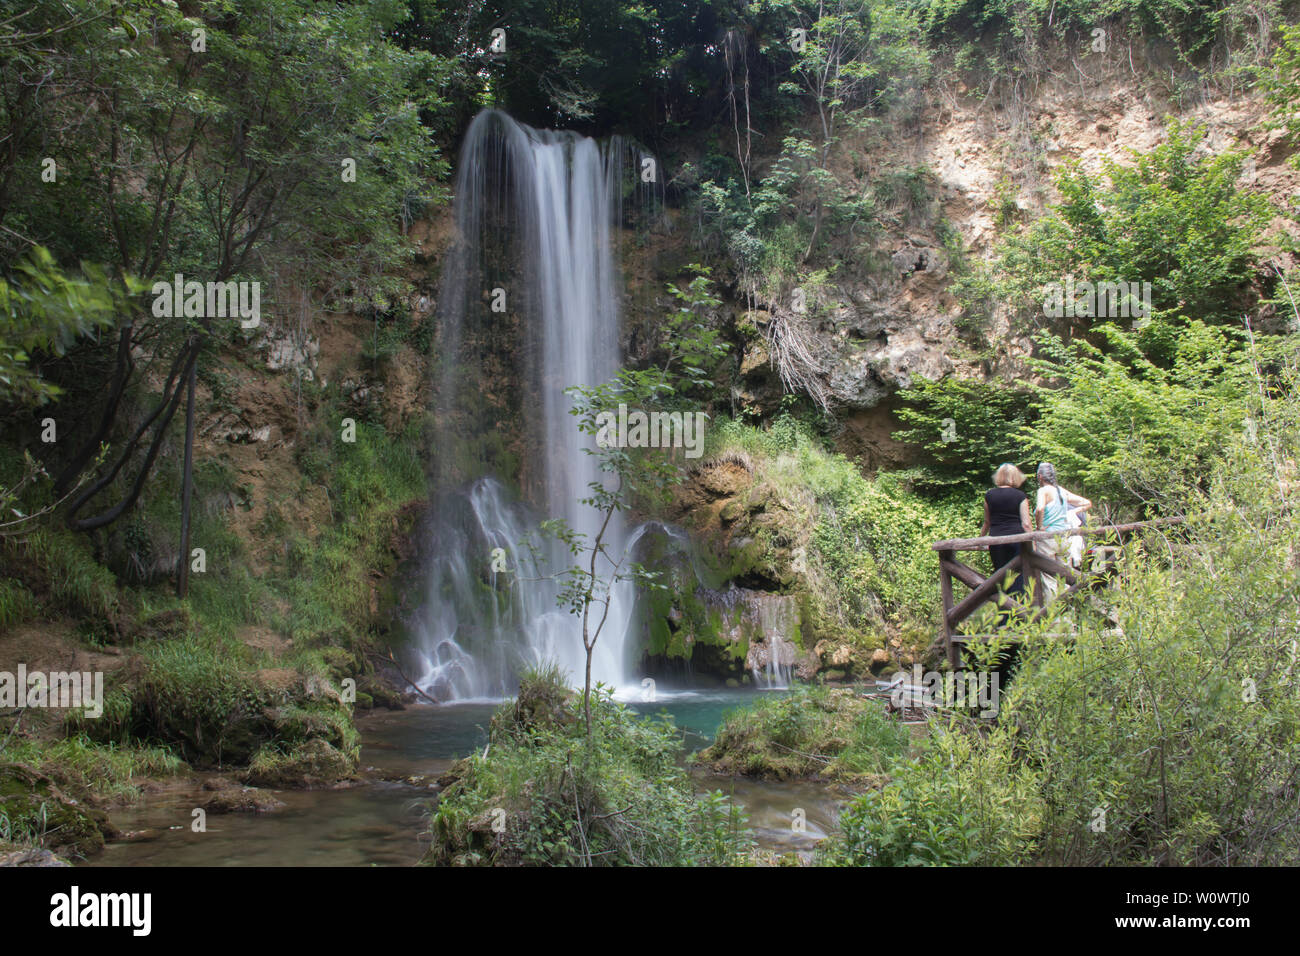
[812,732]
[33,810]
[314,763]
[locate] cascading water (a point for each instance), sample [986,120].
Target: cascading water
[529,307]
[775,622]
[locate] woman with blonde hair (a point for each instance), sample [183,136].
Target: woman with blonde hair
[1006,511]
[1052,512]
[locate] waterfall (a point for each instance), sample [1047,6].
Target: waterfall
[529,306]
[771,659]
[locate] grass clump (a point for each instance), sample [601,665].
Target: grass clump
[58,564]
[811,732]
[541,794]
[81,765]
[17,603]
[202,699]
[314,763]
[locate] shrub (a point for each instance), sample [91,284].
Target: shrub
[965,801]
[1133,433]
[968,427]
[811,732]
[1174,218]
[543,794]
[1172,738]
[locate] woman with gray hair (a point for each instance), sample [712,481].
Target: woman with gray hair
[1052,512]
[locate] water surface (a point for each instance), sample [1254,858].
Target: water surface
[382,823]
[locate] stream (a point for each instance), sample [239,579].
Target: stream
[382,822]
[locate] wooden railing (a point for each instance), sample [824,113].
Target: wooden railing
[1098,562]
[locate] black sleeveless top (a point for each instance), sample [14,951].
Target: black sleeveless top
[1004,510]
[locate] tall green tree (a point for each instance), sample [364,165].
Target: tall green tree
[277,141]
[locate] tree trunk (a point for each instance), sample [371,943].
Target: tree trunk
[586,696]
[187,485]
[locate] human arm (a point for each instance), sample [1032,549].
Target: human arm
[984,528]
[1077,502]
[1024,516]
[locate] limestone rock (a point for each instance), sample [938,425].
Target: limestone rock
[31,857]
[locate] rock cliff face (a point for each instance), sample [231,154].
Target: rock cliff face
[978,164]
[991,165]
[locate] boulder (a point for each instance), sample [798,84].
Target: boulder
[310,765]
[236,799]
[31,856]
[31,801]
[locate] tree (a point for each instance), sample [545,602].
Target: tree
[47,312]
[1175,219]
[1137,435]
[846,55]
[967,427]
[220,159]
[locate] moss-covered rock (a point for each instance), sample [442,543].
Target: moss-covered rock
[213,714]
[309,765]
[36,809]
[817,732]
[12,855]
[235,799]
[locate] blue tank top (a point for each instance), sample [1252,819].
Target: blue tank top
[1056,513]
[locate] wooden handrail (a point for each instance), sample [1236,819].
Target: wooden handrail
[980,544]
[1029,562]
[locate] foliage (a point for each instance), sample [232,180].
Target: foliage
[1175,218]
[870,568]
[1171,738]
[851,53]
[810,732]
[1192,27]
[967,427]
[45,311]
[225,159]
[1281,84]
[544,792]
[1136,434]
[965,801]
[585,63]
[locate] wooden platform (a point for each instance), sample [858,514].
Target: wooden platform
[1099,562]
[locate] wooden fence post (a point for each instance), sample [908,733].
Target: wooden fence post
[945,590]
